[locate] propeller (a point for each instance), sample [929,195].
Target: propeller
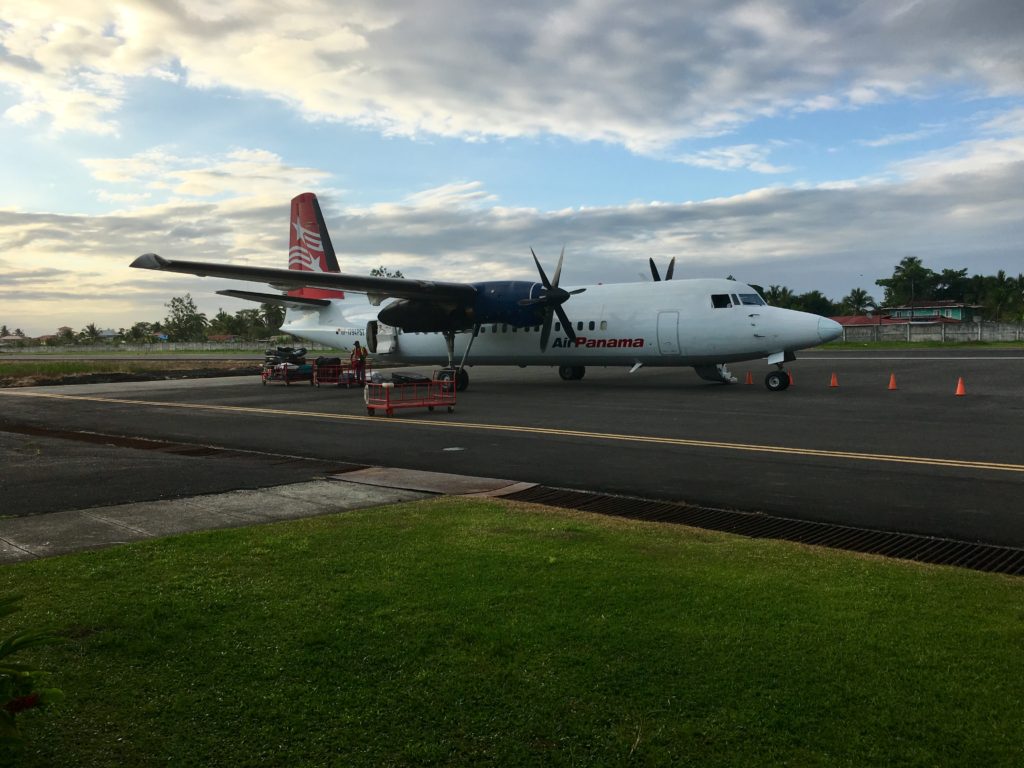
[668,275]
[552,298]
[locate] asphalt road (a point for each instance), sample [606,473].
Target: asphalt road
[918,459]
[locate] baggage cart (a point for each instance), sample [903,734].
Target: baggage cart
[388,396]
[283,373]
[339,375]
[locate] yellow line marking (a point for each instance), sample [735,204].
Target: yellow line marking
[611,436]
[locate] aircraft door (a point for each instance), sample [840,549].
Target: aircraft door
[668,333]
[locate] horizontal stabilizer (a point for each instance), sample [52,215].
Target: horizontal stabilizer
[296,302]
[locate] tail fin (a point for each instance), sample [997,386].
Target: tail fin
[309,248]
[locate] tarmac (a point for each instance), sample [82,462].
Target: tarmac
[59,533]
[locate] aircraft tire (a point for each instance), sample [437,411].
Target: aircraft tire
[461,380]
[571,372]
[776,381]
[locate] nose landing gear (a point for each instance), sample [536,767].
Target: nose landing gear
[776,381]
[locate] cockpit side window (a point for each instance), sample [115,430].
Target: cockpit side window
[720,300]
[751,300]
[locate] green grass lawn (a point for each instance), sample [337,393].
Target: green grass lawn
[478,633]
[922,345]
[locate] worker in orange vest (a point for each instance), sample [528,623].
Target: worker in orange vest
[358,360]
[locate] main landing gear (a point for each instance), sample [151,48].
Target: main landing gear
[776,381]
[458,373]
[571,372]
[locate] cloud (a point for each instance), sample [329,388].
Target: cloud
[641,73]
[959,208]
[743,156]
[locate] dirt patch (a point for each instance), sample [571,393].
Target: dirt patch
[106,377]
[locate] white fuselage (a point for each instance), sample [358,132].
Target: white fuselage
[668,323]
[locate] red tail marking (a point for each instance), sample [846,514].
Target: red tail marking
[306,246]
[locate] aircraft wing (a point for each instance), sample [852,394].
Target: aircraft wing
[294,302]
[286,279]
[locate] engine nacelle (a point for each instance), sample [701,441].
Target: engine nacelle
[426,316]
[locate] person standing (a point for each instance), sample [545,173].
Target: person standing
[358,360]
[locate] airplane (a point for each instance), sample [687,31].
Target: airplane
[700,323]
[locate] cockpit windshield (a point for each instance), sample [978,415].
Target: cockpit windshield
[751,299]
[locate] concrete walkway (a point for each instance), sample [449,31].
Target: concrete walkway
[57,533]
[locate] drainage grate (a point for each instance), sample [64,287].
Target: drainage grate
[906,546]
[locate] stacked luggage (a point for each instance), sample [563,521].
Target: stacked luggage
[286,364]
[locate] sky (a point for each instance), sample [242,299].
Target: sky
[798,143]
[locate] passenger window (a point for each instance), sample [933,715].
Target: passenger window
[720,300]
[494,328]
[579,326]
[558,327]
[504,328]
[604,325]
[514,329]
[591,325]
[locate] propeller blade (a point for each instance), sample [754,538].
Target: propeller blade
[654,271]
[578,290]
[543,277]
[671,268]
[545,331]
[558,269]
[566,323]
[532,302]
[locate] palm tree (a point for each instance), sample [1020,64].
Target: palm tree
[90,334]
[779,296]
[858,302]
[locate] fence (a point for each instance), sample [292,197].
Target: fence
[945,333]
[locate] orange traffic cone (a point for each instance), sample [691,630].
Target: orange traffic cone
[750,378]
[792,381]
[835,380]
[892,381]
[960,389]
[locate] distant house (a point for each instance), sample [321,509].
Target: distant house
[930,310]
[860,321]
[222,337]
[10,341]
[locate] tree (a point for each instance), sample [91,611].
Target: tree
[910,281]
[383,271]
[272,316]
[90,334]
[857,302]
[952,285]
[1000,296]
[139,333]
[817,303]
[779,296]
[66,336]
[4,331]
[185,322]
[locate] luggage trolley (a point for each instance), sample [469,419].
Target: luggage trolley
[429,394]
[339,375]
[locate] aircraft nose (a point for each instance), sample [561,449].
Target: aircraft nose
[829,329]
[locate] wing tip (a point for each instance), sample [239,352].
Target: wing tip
[149,261]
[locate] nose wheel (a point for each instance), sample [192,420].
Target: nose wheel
[776,381]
